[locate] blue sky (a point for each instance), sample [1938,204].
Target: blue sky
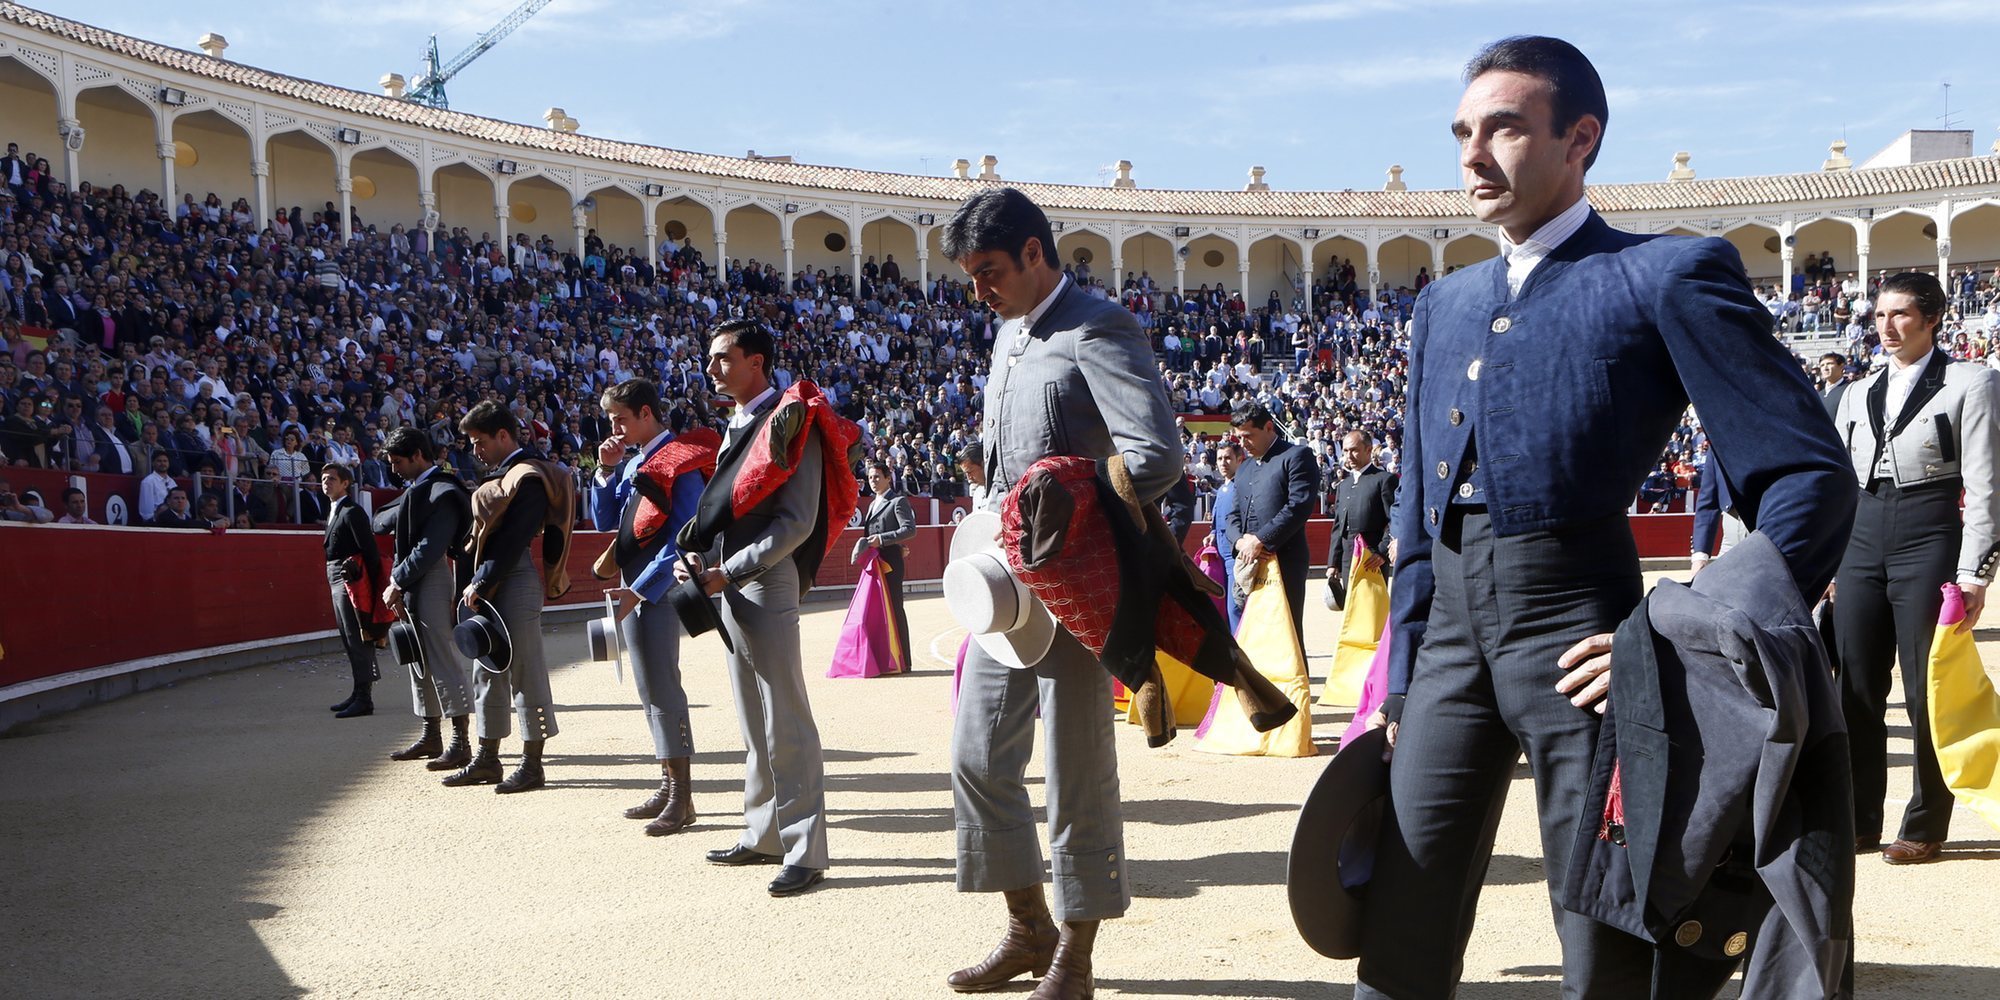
[1322,94]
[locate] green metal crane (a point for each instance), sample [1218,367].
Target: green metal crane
[428,88]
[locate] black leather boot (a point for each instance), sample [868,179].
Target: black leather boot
[429,745]
[458,754]
[528,776]
[362,704]
[483,769]
[1028,947]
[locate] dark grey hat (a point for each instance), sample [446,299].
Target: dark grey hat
[482,637]
[404,643]
[696,611]
[1333,849]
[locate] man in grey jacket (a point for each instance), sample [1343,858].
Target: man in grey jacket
[1919,431]
[1072,375]
[888,524]
[784,781]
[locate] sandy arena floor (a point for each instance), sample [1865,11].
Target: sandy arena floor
[227,838]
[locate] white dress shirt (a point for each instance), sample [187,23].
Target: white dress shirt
[1522,257]
[747,413]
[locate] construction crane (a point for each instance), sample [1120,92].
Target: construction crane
[429,85]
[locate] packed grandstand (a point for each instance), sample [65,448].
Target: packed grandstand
[249,347]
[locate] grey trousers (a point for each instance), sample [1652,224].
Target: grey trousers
[652,635]
[1482,693]
[992,738]
[441,690]
[526,681]
[360,652]
[784,775]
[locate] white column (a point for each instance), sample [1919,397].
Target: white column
[1374,270]
[1437,259]
[500,223]
[856,247]
[787,280]
[653,244]
[721,253]
[1785,257]
[71,168]
[260,172]
[1243,277]
[924,269]
[1117,276]
[167,196]
[1180,270]
[1861,265]
[343,182]
[1943,222]
[580,222]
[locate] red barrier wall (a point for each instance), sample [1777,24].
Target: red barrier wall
[78,597]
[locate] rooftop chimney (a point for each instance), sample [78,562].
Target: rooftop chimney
[1395,179]
[1256,180]
[1124,179]
[1836,158]
[1681,171]
[986,165]
[213,44]
[961,168]
[393,84]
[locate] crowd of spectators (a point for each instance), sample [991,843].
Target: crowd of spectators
[197,348]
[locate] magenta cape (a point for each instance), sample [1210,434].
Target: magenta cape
[868,644]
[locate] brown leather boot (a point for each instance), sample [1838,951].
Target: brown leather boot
[1029,947]
[1267,707]
[654,802]
[677,813]
[1154,710]
[1069,975]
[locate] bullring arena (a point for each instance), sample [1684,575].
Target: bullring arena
[180,819]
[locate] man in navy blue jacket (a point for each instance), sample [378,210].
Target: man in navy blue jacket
[1543,385]
[1277,488]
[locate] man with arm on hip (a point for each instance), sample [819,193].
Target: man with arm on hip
[1072,375]
[1543,385]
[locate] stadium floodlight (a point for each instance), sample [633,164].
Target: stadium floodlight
[173,97]
[506,167]
[654,190]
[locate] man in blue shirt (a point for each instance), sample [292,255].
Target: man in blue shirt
[648,627]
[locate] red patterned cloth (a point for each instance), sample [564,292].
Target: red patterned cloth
[1066,554]
[781,445]
[692,450]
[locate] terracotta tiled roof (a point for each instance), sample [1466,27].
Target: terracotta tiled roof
[1925,178]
